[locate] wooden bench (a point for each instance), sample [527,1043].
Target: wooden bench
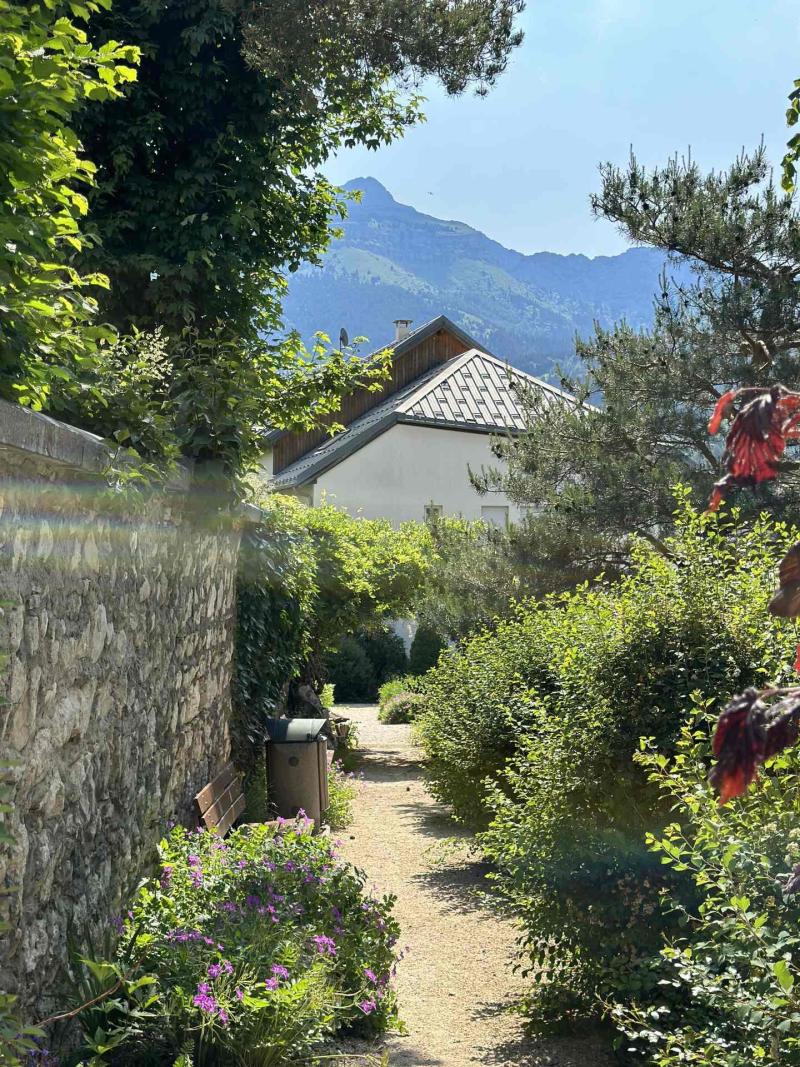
[221,802]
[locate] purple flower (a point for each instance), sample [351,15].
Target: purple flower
[227,967]
[222,1015]
[193,861]
[279,971]
[252,902]
[371,976]
[241,864]
[290,866]
[205,1003]
[166,877]
[196,876]
[368,1006]
[214,970]
[326,946]
[204,987]
[117,923]
[239,993]
[271,983]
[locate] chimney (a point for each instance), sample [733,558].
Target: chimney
[402,328]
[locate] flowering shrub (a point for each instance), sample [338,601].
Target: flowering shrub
[342,791]
[246,951]
[400,699]
[402,707]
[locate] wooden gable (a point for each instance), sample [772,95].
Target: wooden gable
[411,363]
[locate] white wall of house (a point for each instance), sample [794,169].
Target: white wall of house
[408,467]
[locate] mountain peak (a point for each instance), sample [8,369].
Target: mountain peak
[393,261]
[372,190]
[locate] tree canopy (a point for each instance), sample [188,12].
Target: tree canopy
[209,191]
[730,311]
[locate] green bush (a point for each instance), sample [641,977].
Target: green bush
[342,791]
[327,696]
[728,990]
[400,700]
[425,650]
[401,708]
[547,713]
[245,951]
[386,652]
[351,672]
[407,683]
[380,656]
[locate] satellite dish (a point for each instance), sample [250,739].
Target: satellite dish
[344,340]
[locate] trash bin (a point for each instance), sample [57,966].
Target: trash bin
[297,767]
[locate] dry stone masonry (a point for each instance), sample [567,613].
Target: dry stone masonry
[118,626]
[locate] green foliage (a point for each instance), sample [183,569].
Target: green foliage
[727,994]
[308,578]
[547,713]
[478,574]
[342,791]
[598,477]
[245,951]
[16,1037]
[48,72]
[246,101]
[401,707]
[364,661]
[425,650]
[327,696]
[367,571]
[386,653]
[209,188]
[276,591]
[407,683]
[352,672]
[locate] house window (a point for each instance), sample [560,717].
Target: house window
[495,516]
[433,512]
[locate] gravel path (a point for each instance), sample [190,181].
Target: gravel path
[456,985]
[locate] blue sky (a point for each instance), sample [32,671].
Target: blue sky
[592,78]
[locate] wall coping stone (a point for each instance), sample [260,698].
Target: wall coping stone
[39,435]
[69,446]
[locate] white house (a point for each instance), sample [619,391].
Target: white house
[406,452]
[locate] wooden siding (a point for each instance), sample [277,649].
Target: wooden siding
[409,365]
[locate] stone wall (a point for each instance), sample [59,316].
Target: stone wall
[118,625]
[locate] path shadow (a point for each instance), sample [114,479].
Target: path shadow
[357,1053]
[533,1050]
[432,820]
[378,765]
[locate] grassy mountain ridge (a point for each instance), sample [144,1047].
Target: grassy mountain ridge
[396,262]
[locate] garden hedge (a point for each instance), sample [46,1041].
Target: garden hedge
[531,729]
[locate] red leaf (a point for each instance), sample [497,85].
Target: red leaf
[722,409]
[757,439]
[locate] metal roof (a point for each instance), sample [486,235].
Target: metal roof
[422,333]
[473,391]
